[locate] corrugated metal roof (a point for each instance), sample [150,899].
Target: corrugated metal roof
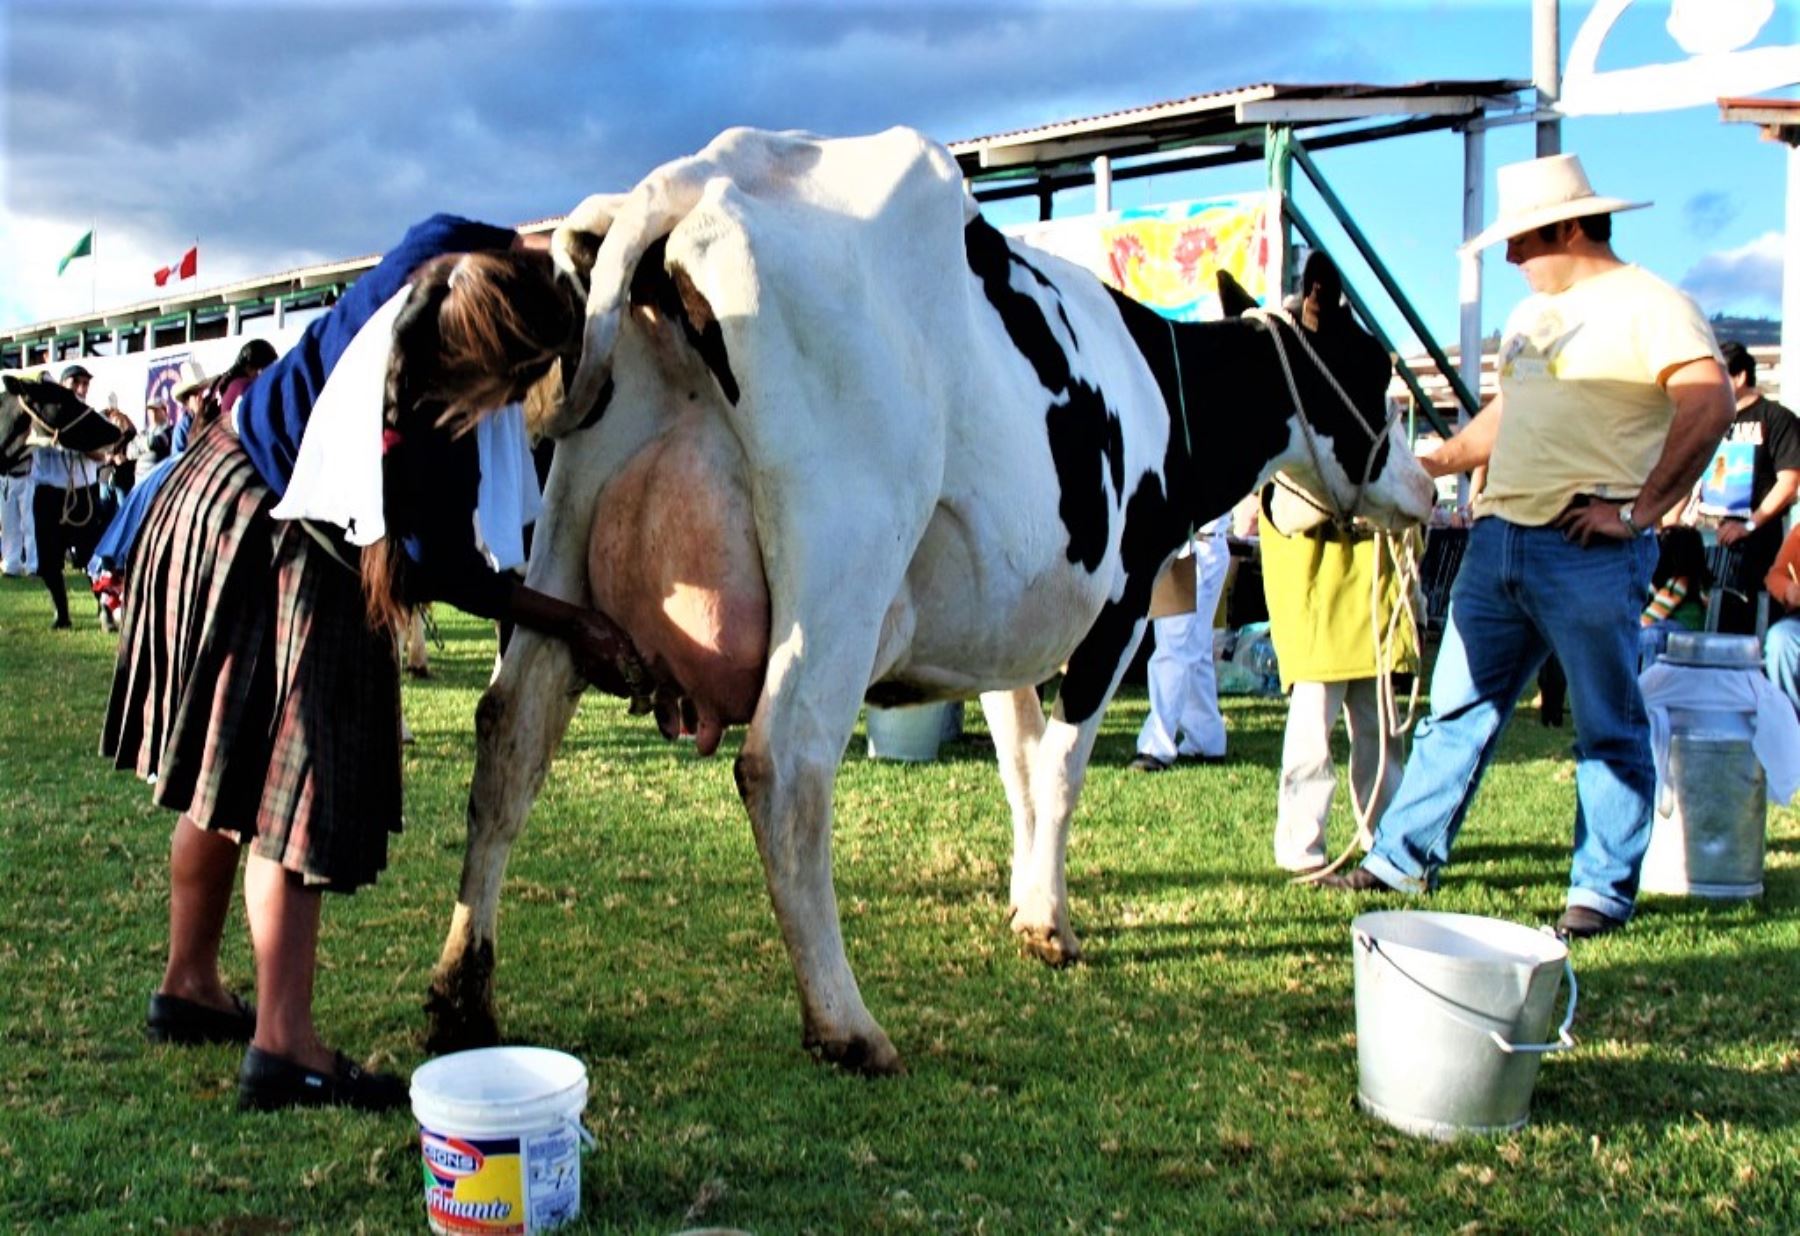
[1225,116]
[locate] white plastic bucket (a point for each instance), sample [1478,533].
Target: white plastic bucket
[912,733]
[500,1137]
[1451,1015]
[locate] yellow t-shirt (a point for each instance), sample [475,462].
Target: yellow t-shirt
[1585,411]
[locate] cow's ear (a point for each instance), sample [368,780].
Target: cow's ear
[13,385]
[1234,302]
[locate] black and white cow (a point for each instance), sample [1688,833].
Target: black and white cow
[35,411]
[834,438]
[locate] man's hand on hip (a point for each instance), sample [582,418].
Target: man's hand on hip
[1593,521]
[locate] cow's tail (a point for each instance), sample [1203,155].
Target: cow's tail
[635,223]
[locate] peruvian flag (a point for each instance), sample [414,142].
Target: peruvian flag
[186,268]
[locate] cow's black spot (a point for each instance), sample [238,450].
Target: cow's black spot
[593,415]
[672,293]
[1085,438]
[1152,532]
[992,260]
[1084,435]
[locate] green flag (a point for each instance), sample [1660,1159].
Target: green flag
[83,248]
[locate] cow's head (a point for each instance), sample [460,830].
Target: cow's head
[1341,452]
[58,414]
[15,423]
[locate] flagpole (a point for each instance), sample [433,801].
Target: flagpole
[93,272]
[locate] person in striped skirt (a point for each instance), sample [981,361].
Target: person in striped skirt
[257,684]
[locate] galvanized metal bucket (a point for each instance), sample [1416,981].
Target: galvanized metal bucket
[912,733]
[1452,1011]
[1712,814]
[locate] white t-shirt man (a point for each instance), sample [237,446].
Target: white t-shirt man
[53,466]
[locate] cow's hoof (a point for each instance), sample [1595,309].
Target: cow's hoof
[1052,947]
[451,1026]
[872,1056]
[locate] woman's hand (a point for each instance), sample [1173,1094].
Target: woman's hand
[604,655]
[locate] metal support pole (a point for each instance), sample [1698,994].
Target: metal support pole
[1790,278]
[1546,71]
[1279,160]
[1469,280]
[1102,184]
[234,323]
[1298,153]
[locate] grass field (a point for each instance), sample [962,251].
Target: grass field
[1195,1073]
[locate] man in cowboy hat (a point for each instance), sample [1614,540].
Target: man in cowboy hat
[189,394]
[1612,397]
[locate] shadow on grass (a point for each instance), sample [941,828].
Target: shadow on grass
[1598,1095]
[1505,852]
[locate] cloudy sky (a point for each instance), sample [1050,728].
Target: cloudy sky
[279,134]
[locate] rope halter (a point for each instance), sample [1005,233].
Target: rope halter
[1271,321]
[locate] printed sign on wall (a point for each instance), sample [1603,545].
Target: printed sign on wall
[1168,257]
[161,377]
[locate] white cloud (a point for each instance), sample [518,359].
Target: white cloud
[1745,278]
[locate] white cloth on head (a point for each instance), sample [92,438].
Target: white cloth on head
[337,475]
[508,498]
[1184,696]
[1776,730]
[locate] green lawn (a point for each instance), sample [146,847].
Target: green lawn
[1195,1073]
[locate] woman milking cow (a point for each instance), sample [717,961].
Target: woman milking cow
[257,682]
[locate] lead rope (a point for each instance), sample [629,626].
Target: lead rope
[1401,551]
[70,489]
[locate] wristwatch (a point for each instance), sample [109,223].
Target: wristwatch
[1750,525]
[1630,523]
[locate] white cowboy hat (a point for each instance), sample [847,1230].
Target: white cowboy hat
[190,379]
[1541,191]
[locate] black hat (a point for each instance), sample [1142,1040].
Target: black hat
[73,373]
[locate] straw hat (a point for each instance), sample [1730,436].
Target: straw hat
[1541,191]
[190,379]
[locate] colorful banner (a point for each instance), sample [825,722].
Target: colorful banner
[1168,257]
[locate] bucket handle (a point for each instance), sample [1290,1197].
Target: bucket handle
[1564,1041]
[587,1139]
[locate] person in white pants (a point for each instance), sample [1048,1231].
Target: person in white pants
[1184,720]
[1317,585]
[18,538]
[1308,776]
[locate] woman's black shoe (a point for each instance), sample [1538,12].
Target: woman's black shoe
[269,1083]
[174,1020]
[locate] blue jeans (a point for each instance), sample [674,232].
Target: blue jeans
[1781,656]
[1523,593]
